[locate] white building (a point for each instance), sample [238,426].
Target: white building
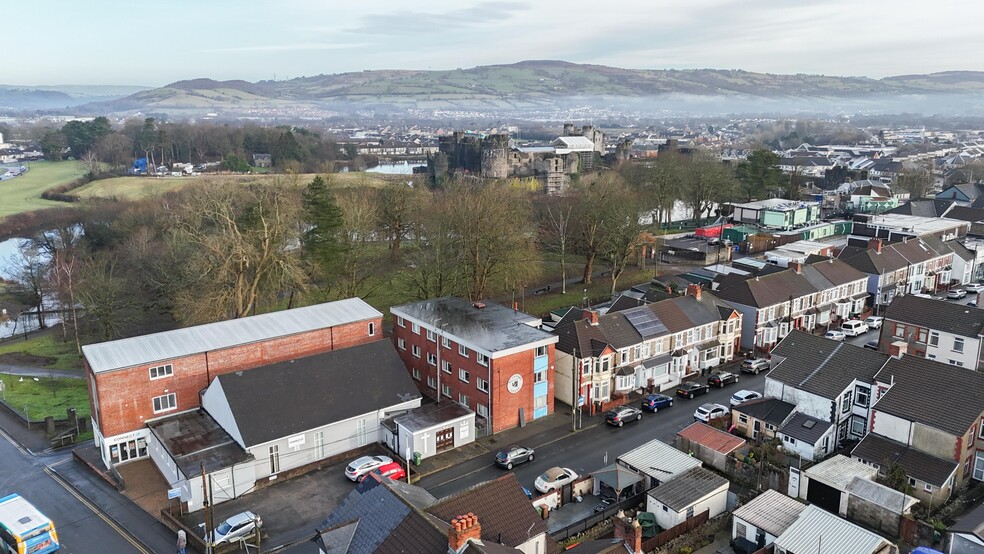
[688,495]
[816,530]
[942,331]
[764,519]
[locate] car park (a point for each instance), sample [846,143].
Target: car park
[854,327]
[871,344]
[393,470]
[234,528]
[361,466]
[710,411]
[744,396]
[755,365]
[722,378]
[618,416]
[974,288]
[956,294]
[874,321]
[554,478]
[513,455]
[690,389]
[653,402]
[835,335]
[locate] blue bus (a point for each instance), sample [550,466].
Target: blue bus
[24,529]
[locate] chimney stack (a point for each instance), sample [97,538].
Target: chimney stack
[591,316]
[694,290]
[898,349]
[629,531]
[797,267]
[876,245]
[462,530]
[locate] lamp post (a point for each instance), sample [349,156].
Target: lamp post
[437,342]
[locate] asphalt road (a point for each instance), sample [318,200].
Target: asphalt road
[589,449]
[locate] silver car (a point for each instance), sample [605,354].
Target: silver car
[513,455]
[365,464]
[236,527]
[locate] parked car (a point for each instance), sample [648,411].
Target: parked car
[835,335]
[710,411]
[974,288]
[393,470]
[618,416]
[554,478]
[956,294]
[690,389]
[854,327]
[874,321]
[972,304]
[234,528]
[722,378]
[744,396]
[755,365]
[871,344]
[527,492]
[654,402]
[360,466]
[513,455]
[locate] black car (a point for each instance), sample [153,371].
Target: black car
[513,455]
[722,378]
[690,389]
[620,415]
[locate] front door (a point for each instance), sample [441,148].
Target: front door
[755,429]
[445,439]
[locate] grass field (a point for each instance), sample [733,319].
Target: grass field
[62,353]
[23,194]
[45,397]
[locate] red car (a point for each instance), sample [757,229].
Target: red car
[393,470]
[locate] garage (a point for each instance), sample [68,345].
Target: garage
[826,484]
[823,495]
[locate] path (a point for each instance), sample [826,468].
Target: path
[26,371]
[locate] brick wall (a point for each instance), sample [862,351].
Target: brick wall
[506,405]
[126,395]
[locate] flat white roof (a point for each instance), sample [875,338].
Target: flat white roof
[146,349]
[771,511]
[816,530]
[838,471]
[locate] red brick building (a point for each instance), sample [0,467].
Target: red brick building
[139,379]
[493,360]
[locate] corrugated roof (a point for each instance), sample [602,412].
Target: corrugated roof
[880,495]
[771,511]
[576,142]
[838,471]
[820,532]
[688,488]
[123,353]
[658,460]
[715,439]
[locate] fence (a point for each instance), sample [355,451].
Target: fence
[674,532]
[598,517]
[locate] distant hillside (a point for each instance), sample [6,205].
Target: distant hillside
[530,84]
[54,97]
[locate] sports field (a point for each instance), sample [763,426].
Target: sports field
[23,193]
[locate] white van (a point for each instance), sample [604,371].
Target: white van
[854,327]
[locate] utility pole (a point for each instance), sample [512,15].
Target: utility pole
[208,523]
[576,389]
[439,368]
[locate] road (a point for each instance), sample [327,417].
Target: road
[590,449]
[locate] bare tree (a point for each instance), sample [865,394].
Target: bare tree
[398,210]
[915,180]
[30,269]
[360,222]
[556,229]
[102,292]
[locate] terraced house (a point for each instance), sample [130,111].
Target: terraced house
[908,267]
[807,297]
[942,331]
[654,345]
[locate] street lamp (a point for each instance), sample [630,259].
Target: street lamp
[437,342]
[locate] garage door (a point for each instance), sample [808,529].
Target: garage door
[824,496]
[445,439]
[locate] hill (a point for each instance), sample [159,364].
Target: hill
[532,84]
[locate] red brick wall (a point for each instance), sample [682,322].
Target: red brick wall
[126,396]
[505,409]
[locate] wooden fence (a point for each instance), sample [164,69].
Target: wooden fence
[674,532]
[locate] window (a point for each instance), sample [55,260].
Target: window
[899,332]
[846,402]
[416,374]
[431,336]
[362,434]
[980,434]
[921,335]
[319,444]
[857,426]
[861,395]
[539,402]
[979,466]
[482,359]
[690,512]
[934,339]
[957,363]
[432,358]
[401,322]
[482,410]
[743,418]
[462,350]
[445,342]
[401,344]
[482,384]
[958,345]
[446,366]
[541,351]
[463,375]
[446,390]
[416,351]
[372,328]
[912,482]
[463,400]
[161,371]
[165,403]
[431,382]
[415,328]
[540,376]
[928,488]
[275,459]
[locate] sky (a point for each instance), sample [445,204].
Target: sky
[116,42]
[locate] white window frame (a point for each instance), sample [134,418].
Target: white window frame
[415,327]
[540,351]
[482,385]
[431,358]
[446,390]
[956,341]
[160,401]
[431,336]
[540,376]
[401,322]
[274,459]
[161,371]
[415,350]
[415,373]
[432,382]
[463,399]
[463,375]
[462,350]
[446,366]
[445,342]
[372,328]
[401,344]
[482,410]
[482,359]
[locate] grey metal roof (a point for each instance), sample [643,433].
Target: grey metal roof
[156,347]
[838,471]
[658,460]
[821,532]
[491,328]
[771,511]
[688,488]
[880,495]
[805,428]
[431,415]
[616,477]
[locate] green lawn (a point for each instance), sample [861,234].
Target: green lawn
[45,397]
[49,345]
[23,194]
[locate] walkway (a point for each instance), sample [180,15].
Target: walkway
[25,371]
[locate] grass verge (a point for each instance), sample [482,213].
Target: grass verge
[63,354]
[46,396]
[23,193]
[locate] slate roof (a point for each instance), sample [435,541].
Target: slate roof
[771,511]
[769,410]
[715,439]
[924,208]
[947,317]
[971,523]
[821,366]
[625,302]
[318,390]
[919,465]
[935,394]
[775,288]
[805,428]
[687,488]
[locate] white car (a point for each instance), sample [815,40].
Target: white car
[956,294]
[709,411]
[974,288]
[835,335]
[236,527]
[874,321]
[854,327]
[363,465]
[554,478]
[744,396]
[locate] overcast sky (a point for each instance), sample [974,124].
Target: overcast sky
[47,42]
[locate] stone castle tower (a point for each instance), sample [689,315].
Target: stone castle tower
[495,157]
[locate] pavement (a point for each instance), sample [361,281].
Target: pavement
[40,372]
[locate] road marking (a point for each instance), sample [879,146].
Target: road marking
[15,444]
[122,532]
